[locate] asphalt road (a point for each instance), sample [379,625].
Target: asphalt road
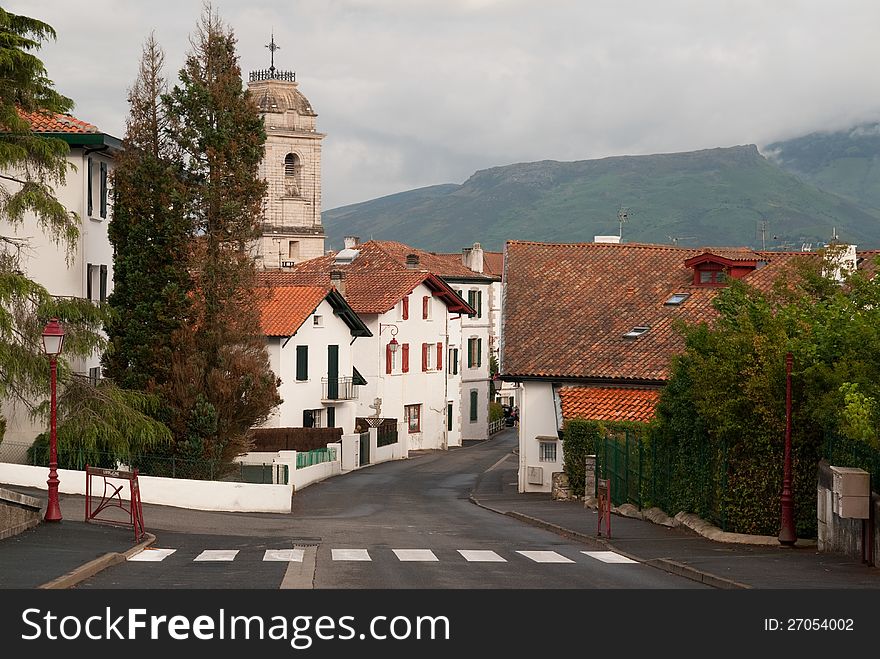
[405,524]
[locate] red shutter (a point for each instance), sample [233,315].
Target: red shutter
[405,357]
[406,307]
[389,358]
[439,356]
[425,307]
[424,356]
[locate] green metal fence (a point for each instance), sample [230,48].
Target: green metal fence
[308,458]
[844,452]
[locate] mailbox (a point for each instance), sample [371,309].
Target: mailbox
[850,492]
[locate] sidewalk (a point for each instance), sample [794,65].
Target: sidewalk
[678,550]
[50,551]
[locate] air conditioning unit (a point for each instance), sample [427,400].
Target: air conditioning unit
[535,475]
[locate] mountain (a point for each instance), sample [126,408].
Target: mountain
[710,197]
[846,162]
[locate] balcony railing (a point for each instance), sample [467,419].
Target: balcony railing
[342,388]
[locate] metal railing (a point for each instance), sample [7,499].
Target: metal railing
[386,434]
[272,74]
[342,388]
[310,458]
[496,426]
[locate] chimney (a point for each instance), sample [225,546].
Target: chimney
[337,279]
[466,256]
[477,258]
[350,242]
[412,261]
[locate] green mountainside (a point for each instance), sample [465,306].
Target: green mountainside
[846,162]
[711,197]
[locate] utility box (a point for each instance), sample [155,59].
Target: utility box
[850,492]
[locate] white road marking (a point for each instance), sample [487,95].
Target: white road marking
[288,555]
[608,557]
[481,556]
[152,555]
[545,557]
[414,554]
[217,555]
[350,555]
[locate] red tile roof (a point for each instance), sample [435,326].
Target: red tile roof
[568,306]
[286,308]
[493,263]
[57,123]
[375,281]
[609,403]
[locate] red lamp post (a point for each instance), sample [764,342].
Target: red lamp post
[53,341]
[787,535]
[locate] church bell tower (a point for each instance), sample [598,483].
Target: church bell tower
[292,229]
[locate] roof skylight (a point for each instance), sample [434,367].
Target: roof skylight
[636,332]
[676,299]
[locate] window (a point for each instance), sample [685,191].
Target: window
[293,250]
[475,300]
[426,307]
[94,376]
[89,204]
[452,367]
[427,357]
[475,349]
[302,364]
[475,396]
[636,332]
[413,414]
[711,276]
[676,299]
[318,321]
[547,452]
[103,190]
[312,419]
[292,175]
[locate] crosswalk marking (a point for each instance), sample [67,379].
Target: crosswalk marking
[608,557]
[481,556]
[415,555]
[545,556]
[350,555]
[152,555]
[217,555]
[287,555]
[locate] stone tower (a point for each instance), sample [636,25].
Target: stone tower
[292,229]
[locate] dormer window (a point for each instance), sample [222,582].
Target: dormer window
[636,332]
[710,276]
[712,268]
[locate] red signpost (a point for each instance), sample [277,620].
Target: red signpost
[112,497]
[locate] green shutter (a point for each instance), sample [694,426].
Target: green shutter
[470,351]
[479,352]
[302,362]
[331,417]
[479,304]
[449,417]
[474,399]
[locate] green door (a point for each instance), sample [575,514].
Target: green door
[332,372]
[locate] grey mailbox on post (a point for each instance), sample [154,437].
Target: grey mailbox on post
[850,492]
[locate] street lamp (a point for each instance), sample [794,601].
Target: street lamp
[53,341]
[393,344]
[787,535]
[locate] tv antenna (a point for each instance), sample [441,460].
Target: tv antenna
[622,218]
[763,231]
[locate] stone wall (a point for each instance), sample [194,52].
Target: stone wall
[837,534]
[18,512]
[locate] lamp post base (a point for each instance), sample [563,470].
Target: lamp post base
[53,509]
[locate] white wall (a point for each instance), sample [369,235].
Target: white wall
[177,492]
[476,377]
[537,418]
[308,394]
[49,264]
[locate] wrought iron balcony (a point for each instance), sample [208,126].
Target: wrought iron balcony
[341,388]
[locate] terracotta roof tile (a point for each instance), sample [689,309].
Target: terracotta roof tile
[57,123]
[609,403]
[493,263]
[286,308]
[568,306]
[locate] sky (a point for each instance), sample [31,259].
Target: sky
[413,93]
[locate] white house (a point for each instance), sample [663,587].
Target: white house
[89,271]
[312,335]
[406,362]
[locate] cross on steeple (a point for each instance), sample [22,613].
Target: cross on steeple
[272,46]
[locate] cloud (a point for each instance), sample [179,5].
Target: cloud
[416,93]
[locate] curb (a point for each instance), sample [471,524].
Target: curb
[92,568]
[665,564]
